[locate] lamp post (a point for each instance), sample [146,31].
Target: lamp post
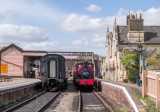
[140,48]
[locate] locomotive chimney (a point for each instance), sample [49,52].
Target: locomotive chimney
[86,65]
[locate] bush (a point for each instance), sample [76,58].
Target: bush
[151,106]
[124,110]
[125,80]
[100,76]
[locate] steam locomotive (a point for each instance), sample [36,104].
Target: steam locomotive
[52,72]
[83,75]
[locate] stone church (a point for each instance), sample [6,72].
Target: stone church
[127,37]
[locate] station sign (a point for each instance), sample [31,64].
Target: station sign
[4,68]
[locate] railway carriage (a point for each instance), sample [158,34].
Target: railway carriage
[52,72]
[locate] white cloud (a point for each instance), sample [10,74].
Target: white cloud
[85,23]
[8,14]
[25,33]
[45,46]
[93,8]
[91,41]
[90,31]
[151,16]
[29,10]
[77,42]
[96,44]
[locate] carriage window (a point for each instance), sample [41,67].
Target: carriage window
[52,68]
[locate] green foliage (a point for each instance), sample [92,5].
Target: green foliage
[131,63]
[151,106]
[7,104]
[139,97]
[123,110]
[153,63]
[157,56]
[100,77]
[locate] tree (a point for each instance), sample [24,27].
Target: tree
[131,63]
[153,63]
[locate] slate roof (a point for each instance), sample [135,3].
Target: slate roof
[151,34]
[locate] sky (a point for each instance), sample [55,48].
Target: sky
[68,25]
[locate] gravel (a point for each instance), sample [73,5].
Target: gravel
[67,102]
[37,103]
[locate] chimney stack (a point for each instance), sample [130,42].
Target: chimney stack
[140,17]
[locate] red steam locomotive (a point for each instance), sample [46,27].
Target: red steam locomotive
[83,75]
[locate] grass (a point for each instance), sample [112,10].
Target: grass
[10,102]
[151,106]
[7,104]
[124,110]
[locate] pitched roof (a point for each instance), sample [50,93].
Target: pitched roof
[12,45]
[151,34]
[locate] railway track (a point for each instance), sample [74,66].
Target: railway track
[37,103]
[92,102]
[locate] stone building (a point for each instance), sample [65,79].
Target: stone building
[102,66]
[127,37]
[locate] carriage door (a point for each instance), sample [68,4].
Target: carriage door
[53,68]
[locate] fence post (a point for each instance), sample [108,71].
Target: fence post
[144,83]
[157,91]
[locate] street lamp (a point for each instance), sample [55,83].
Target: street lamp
[140,48]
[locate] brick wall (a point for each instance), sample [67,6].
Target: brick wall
[117,94]
[17,93]
[14,59]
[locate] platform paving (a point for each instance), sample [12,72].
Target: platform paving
[17,82]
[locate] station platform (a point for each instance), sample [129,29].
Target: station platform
[18,82]
[134,91]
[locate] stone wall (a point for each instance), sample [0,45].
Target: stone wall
[14,94]
[117,94]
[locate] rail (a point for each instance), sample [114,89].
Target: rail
[48,103]
[106,106]
[80,102]
[24,102]
[103,102]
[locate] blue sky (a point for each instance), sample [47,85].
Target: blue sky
[68,25]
